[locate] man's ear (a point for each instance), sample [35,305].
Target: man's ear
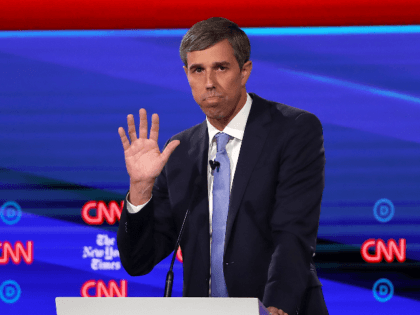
[246,71]
[186,70]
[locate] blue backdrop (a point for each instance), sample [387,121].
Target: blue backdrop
[63,96]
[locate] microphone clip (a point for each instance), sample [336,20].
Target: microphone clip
[214,165]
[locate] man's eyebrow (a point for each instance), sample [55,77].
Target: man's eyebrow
[195,65]
[221,63]
[215,64]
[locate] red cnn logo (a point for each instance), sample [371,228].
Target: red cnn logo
[179,255]
[110,213]
[388,251]
[18,253]
[112,290]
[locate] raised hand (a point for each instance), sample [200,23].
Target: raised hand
[143,159]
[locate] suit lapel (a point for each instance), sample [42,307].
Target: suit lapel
[255,134]
[199,216]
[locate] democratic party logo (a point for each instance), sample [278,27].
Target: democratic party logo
[383,290]
[384,210]
[111,212]
[103,290]
[10,291]
[105,255]
[10,212]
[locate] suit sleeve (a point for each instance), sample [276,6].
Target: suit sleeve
[295,219]
[148,236]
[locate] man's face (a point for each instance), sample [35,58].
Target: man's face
[217,83]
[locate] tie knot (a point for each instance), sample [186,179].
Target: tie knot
[221,140]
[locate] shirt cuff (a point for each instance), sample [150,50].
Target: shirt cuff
[132,208]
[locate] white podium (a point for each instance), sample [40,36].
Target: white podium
[158,305]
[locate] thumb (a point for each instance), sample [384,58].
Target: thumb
[169,149]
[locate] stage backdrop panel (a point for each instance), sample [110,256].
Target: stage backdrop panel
[63,96]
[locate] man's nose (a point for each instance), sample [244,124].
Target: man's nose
[210,79]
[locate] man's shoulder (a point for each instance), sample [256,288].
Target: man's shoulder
[284,113]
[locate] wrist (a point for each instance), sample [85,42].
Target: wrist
[140,192]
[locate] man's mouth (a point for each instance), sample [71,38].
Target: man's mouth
[212,97]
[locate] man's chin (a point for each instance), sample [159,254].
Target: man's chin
[217,117]
[213,113]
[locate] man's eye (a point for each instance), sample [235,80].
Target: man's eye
[222,67]
[198,69]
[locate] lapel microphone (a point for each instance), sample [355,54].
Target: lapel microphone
[170,275]
[214,164]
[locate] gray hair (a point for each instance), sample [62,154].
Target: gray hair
[207,33]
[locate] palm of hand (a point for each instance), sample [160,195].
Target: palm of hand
[143,159]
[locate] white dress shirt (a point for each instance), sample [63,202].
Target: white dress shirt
[235,129]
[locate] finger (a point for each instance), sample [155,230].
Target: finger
[131,128]
[124,140]
[275,311]
[143,124]
[169,149]
[154,130]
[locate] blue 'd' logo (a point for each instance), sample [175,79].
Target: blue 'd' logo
[383,290]
[10,291]
[10,212]
[384,210]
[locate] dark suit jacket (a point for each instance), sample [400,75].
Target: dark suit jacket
[273,214]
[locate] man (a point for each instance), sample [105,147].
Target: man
[254,212]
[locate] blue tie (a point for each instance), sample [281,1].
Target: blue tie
[221,194]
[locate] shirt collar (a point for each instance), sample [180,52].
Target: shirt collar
[236,126]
